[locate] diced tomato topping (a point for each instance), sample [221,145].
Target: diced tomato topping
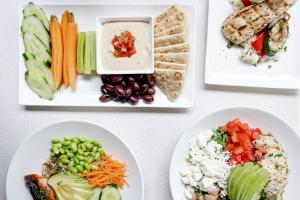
[246,2]
[258,44]
[124,45]
[241,142]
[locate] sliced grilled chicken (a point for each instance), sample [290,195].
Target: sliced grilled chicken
[39,188]
[244,24]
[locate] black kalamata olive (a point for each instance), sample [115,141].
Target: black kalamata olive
[109,87]
[151,91]
[139,77]
[123,84]
[133,100]
[120,91]
[152,83]
[128,92]
[130,79]
[105,98]
[122,99]
[144,89]
[114,98]
[135,86]
[116,78]
[103,90]
[148,99]
[105,79]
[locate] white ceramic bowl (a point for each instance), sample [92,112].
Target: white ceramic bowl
[101,68]
[35,150]
[268,122]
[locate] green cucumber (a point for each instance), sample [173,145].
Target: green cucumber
[32,9]
[33,45]
[38,84]
[34,25]
[32,62]
[110,192]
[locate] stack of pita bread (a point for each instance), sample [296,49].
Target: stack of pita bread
[171,51]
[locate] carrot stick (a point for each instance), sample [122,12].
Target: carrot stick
[57,50]
[64,21]
[71,46]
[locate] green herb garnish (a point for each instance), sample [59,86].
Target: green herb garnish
[285,49]
[269,66]
[230,44]
[220,136]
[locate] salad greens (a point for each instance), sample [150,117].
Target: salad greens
[220,137]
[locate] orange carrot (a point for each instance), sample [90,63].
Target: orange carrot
[64,21]
[71,52]
[57,50]
[109,172]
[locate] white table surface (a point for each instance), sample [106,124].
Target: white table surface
[151,134]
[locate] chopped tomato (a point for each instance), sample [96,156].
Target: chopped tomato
[246,2]
[124,45]
[238,150]
[258,44]
[241,142]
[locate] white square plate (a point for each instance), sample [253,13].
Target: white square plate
[88,87]
[223,66]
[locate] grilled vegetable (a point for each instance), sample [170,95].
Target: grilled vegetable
[258,44]
[276,38]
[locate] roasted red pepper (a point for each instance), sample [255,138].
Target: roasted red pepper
[258,44]
[124,45]
[246,2]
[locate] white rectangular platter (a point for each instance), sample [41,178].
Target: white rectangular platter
[88,87]
[223,66]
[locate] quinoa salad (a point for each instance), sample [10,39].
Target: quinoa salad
[235,162]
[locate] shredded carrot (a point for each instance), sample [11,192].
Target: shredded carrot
[109,172]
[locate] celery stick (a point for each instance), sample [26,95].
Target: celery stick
[80,52]
[93,50]
[87,55]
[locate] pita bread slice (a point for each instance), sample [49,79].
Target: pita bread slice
[171,31]
[172,11]
[180,58]
[164,26]
[170,40]
[167,65]
[170,82]
[178,48]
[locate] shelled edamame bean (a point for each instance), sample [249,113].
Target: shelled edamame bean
[76,154]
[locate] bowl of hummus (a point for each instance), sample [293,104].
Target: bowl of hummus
[125,45]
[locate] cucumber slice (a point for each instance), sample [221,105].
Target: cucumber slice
[110,193]
[35,26]
[33,45]
[32,62]
[38,84]
[96,195]
[32,9]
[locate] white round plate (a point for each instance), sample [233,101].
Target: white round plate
[256,118]
[35,150]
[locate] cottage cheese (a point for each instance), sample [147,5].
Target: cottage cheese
[206,166]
